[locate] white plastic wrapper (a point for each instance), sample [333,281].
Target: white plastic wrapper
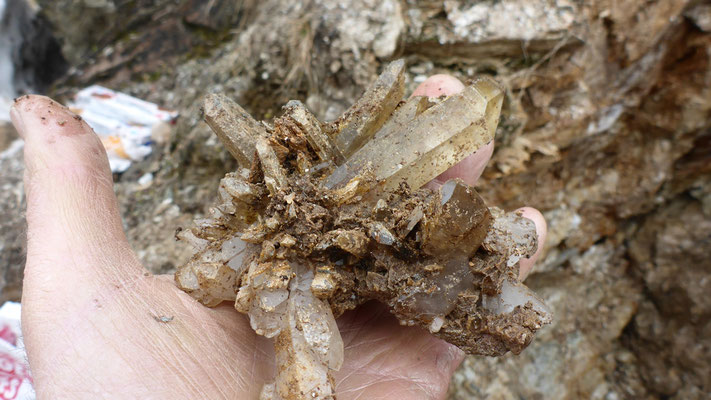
[124,123]
[15,379]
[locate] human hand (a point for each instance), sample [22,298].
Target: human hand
[97,325]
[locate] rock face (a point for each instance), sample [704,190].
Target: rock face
[30,60]
[604,127]
[30,57]
[670,331]
[13,227]
[323,217]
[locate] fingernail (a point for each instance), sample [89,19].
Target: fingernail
[17,120]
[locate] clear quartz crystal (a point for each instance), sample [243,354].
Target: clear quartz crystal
[322,217]
[274,175]
[458,222]
[316,322]
[309,345]
[237,130]
[361,122]
[515,294]
[511,234]
[211,277]
[418,152]
[454,277]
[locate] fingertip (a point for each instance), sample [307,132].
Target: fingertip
[37,117]
[438,85]
[66,169]
[526,264]
[55,137]
[456,357]
[448,357]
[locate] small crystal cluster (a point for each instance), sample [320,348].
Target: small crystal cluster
[323,217]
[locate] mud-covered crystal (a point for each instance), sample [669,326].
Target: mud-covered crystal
[322,217]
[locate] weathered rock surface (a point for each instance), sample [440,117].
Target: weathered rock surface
[12,226]
[670,333]
[604,128]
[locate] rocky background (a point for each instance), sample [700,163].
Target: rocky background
[606,128]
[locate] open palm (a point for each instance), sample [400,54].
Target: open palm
[98,325]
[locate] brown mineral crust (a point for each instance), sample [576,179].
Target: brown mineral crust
[311,249]
[353,241]
[397,283]
[371,253]
[371,258]
[478,332]
[346,297]
[491,267]
[299,122]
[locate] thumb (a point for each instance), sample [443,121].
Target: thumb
[75,239]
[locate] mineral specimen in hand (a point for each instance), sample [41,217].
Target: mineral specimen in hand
[322,217]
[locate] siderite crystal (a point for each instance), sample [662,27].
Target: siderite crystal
[322,217]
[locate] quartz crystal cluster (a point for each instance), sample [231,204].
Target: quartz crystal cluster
[322,217]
